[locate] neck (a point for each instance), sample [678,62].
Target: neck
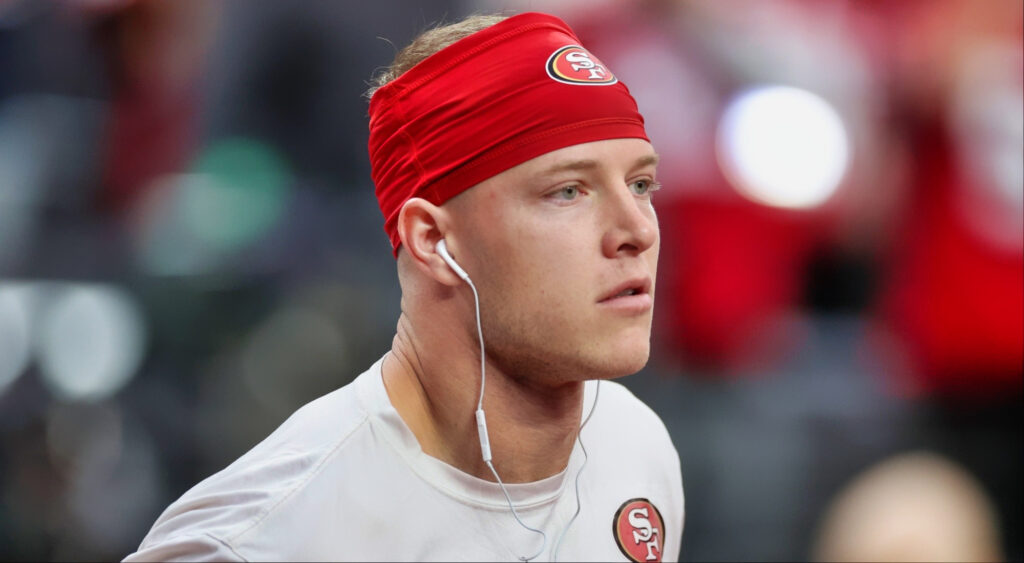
[433,381]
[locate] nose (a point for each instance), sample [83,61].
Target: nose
[632,226]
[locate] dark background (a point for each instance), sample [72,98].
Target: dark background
[190,248]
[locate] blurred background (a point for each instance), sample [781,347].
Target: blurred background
[190,249]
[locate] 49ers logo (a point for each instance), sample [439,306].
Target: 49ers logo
[639,530]
[572,64]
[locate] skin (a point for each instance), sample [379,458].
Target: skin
[544,242]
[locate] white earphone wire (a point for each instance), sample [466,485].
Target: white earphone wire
[586,458]
[485,446]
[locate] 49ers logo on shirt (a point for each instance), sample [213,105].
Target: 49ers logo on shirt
[573,64]
[639,530]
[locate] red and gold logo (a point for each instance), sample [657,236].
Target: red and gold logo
[573,64]
[639,530]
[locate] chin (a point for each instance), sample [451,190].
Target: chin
[623,359]
[571,360]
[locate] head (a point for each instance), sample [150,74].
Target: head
[914,506]
[557,231]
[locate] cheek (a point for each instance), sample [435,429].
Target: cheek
[537,284]
[537,261]
[555,264]
[542,245]
[538,277]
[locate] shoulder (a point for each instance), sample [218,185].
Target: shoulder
[627,419]
[635,460]
[631,438]
[211,515]
[201,547]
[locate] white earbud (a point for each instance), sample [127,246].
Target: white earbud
[442,249]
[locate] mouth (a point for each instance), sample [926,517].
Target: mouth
[628,290]
[625,292]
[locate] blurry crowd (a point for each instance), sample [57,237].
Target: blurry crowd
[190,249]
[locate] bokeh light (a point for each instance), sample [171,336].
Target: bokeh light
[21,152]
[987,112]
[15,331]
[165,246]
[111,467]
[91,341]
[233,195]
[783,146]
[307,344]
[242,195]
[82,434]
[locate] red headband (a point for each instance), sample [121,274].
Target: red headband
[488,102]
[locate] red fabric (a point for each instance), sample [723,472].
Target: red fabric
[730,268]
[487,103]
[955,300]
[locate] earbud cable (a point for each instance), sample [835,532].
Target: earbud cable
[586,458]
[481,421]
[485,446]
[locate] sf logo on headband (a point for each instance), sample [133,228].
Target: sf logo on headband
[572,64]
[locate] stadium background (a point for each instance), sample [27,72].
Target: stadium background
[190,249]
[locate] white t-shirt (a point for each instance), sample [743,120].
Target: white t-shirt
[345,479]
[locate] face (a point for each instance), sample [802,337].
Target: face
[563,250]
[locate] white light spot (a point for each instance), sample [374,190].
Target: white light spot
[304,344]
[783,146]
[90,341]
[15,331]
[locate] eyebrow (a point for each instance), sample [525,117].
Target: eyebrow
[649,160]
[586,164]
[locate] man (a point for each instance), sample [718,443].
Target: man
[515,178]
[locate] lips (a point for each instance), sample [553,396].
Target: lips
[639,286]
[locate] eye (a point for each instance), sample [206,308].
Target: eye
[644,187]
[567,193]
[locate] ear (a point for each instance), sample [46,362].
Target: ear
[421,225]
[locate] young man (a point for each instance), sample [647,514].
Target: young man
[515,178]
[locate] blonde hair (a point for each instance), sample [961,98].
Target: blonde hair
[428,43]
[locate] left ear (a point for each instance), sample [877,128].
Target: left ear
[421,225]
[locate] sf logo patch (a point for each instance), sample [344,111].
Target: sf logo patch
[639,530]
[572,64]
